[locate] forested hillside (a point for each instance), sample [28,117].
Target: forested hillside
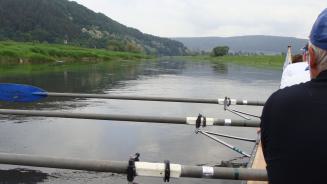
[62,21]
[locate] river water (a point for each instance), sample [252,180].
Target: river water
[95,139]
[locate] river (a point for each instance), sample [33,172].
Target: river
[95,139]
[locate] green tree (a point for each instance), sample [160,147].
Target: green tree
[54,21]
[220,51]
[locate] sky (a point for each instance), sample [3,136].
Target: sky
[199,18]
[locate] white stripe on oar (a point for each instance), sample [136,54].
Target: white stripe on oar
[221,101]
[207,171]
[228,122]
[157,169]
[192,121]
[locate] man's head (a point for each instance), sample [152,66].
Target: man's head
[318,45]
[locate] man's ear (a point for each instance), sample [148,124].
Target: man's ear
[312,58]
[314,72]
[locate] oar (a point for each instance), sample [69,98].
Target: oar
[26,93]
[149,119]
[133,168]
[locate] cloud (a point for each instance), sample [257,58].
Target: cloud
[172,18]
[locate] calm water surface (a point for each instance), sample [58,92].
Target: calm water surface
[94,139]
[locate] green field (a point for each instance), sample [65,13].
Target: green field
[17,52]
[261,61]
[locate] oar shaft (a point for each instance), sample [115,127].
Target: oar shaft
[63,163]
[114,117]
[142,168]
[133,118]
[250,102]
[143,98]
[225,173]
[238,123]
[146,98]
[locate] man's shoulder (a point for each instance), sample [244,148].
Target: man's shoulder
[293,91]
[290,94]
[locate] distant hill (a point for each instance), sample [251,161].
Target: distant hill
[62,21]
[252,44]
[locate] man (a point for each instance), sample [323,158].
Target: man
[294,121]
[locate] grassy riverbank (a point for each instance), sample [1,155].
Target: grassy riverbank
[16,52]
[262,61]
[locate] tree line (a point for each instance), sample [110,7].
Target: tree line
[62,21]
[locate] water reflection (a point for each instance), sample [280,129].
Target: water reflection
[91,139]
[220,68]
[18,176]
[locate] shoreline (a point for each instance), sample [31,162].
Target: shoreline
[258,61]
[39,53]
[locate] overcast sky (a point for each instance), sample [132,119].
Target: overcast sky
[196,18]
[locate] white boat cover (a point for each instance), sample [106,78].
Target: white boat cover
[295,74]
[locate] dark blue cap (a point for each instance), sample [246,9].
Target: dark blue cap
[318,35]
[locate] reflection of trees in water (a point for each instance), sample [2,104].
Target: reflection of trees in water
[163,67]
[12,119]
[169,65]
[220,68]
[18,176]
[87,78]
[79,78]
[75,77]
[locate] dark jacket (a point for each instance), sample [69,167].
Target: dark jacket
[294,133]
